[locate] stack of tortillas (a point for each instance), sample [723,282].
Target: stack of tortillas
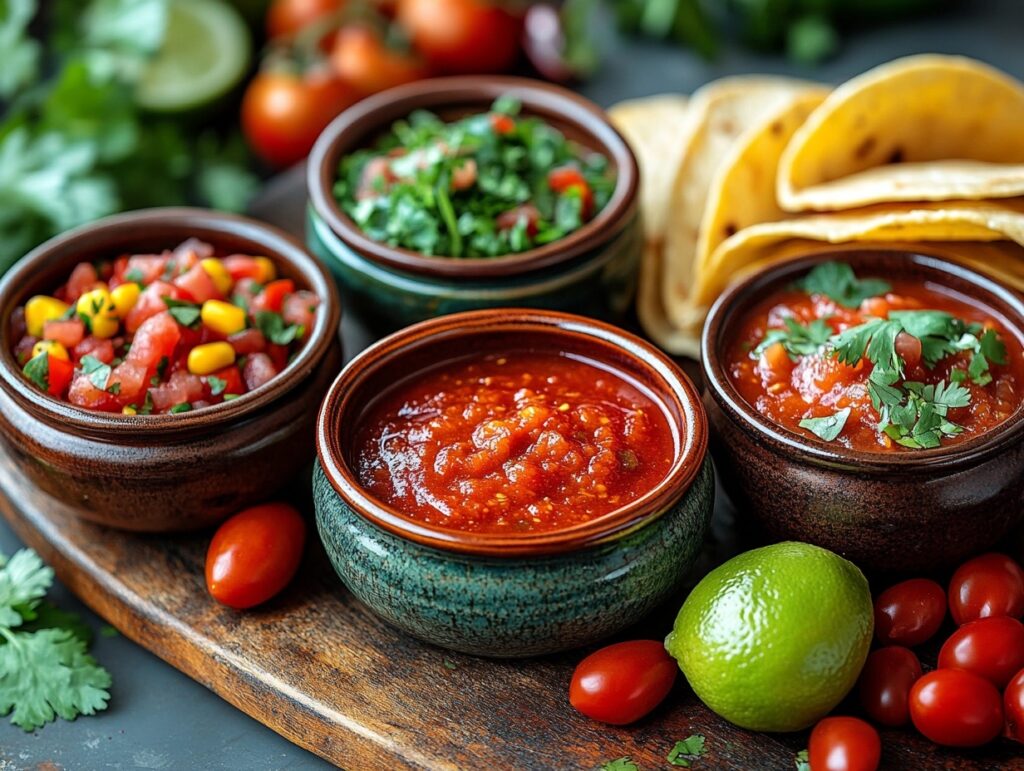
[752,170]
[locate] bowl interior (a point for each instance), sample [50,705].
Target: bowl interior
[937,272]
[152,231]
[453,98]
[443,341]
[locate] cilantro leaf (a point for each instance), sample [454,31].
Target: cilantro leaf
[850,344]
[837,281]
[184,312]
[275,330]
[217,385]
[19,51]
[24,580]
[37,369]
[97,372]
[828,427]
[798,339]
[48,616]
[803,761]
[620,764]
[686,751]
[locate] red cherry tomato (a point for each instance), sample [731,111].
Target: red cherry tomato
[910,612]
[885,683]
[286,17]
[844,744]
[361,59]
[255,554]
[989,585]
[956,708]
[990,647]
[283,114]
[1013,705]
[621,683]
[462,36]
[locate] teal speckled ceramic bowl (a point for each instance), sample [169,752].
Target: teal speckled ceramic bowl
[512,595]
[592,271]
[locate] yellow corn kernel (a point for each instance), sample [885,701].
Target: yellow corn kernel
[221,278]
[51,347]
[223,317]
[268,271]
[99,309]
[129,410]
[41,309]
[125,297]
[208,358]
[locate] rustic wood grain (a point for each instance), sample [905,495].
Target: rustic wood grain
[321,670]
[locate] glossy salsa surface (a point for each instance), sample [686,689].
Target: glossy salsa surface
[513,442]
[936,393]
[169,332]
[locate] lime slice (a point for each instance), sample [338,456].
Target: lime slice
[204,55]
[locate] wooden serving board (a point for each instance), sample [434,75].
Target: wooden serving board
[317,667]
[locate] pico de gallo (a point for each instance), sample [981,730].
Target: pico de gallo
[513,442]
[487,185]
[877,365]
[163,333]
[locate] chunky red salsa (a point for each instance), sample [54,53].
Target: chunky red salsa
[513,442]
[169,332]
[876,365]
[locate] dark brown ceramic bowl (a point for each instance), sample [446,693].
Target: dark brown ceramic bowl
[893,512]
[167,472]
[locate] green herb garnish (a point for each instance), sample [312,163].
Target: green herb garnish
[802,761]
[275,330]
[217,385]
[620,764]
[97,372]
[178,408]
[231,397]
[185,313]
[685,752]
[837,281]
[798,339]
[828,427]
[37,369]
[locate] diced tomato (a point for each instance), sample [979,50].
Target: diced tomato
[245,291]
[248,341]
[94,346]
[241,266]
[566,178]
[120,268]
[198,284]
[150,303]
[232,376]
[68,333]
[527,211]
[464,177]
[182,387]
[190,251]
[279,355]
[60,374]
[300,308]
[145,268]
[155,339]
[82,279]
[502,124]
[84,394]
[132,379]
[259,369]
[272,296]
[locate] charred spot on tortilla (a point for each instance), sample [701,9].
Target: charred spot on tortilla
[864,148]
[776,127]
[896,156]
[729,228]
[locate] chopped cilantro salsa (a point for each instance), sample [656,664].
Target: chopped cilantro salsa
[487,185]
[875,364]
[162,333]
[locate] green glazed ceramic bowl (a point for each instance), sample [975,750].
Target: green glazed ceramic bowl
[591,271]
[531,593]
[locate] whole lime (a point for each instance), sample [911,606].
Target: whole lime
[774,638]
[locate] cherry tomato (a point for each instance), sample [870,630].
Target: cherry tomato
[283,113]
[989,585]
[990,647]
[956,708]
[885,683]
[286,17]
[621,683]
[1013,704]
[844,744]
[462,36]
[255,554]
[361,59]
[909,612]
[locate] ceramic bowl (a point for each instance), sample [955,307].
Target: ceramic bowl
[167,472]
[591,271]
[893,512]
[529,594]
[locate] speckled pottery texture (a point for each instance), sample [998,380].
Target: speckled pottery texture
[514,607]
[600,283]
[890,512]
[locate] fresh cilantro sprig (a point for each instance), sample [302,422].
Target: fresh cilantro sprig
[837,281]
[685,752]
[185,313]
[798,339]
[620,764]
[273,327]
[829,426]
[45,670]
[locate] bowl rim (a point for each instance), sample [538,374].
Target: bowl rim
[274,243]
[736,298]
[375,113]
[675,387]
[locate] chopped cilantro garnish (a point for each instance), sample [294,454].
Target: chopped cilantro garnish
[231,397]
[217,385]
[134,275]
[828,427]
[147,405]
[798,339]
[802,761]
[685,752]
[183,407]
[185,313]
[620,764]
[275,330]
[97,371]
[837,281]
[37,369]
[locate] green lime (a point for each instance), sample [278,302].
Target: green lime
[205,54]
[774,638]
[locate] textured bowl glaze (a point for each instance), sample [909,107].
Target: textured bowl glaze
[167,472]
[534,593]
[892,512]
[589,271]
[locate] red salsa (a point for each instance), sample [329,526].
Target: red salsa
[877,365]
[513,442]
[169,332]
